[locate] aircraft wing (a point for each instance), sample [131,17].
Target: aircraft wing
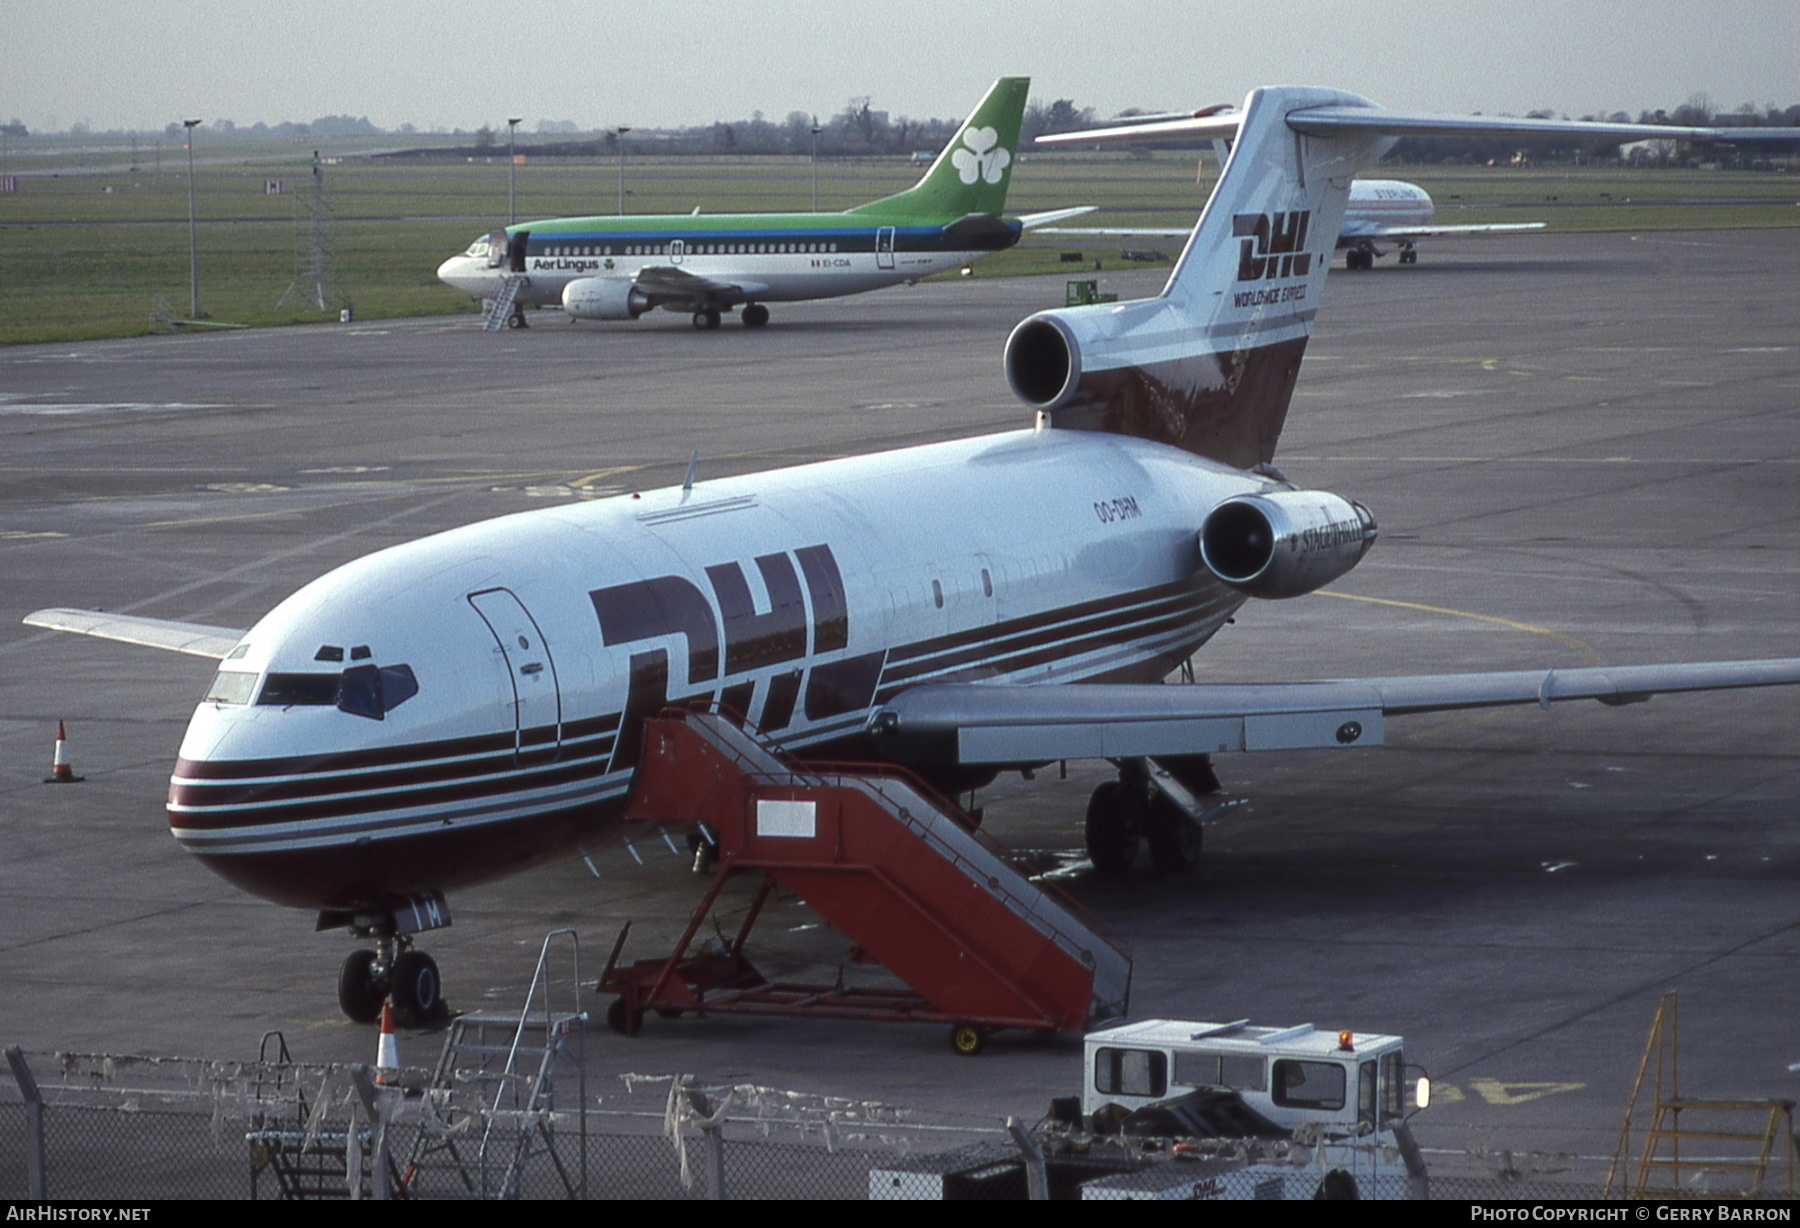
[665,284]
[1033,221]
[1035,724]
[1352,230]
[1123,232]
[195,639]
[1355,230]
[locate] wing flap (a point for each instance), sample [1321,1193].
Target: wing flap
[666,284]
[1024,724]
[195,639]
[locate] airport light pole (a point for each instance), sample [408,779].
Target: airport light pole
[621,135]
[815,162]
[512,171]
[193,243]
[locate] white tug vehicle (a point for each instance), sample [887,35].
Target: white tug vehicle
[1182,1110]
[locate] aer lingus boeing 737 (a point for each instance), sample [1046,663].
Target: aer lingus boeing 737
[453,709]
[617,268]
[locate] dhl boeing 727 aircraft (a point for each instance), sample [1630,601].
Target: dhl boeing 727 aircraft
[618,268]
[451,710]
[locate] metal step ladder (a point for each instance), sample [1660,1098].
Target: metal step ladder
[501,1069]
[502,306]
[888,863]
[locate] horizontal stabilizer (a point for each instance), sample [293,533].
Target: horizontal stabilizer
[1032,724]
[195,639]
[1354,231]
[1032,221]
[1346,121]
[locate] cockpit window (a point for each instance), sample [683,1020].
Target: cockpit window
[478,248]
[285,690]
[231,686]
[362,690]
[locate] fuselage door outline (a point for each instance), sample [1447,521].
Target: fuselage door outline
[884,247]
[531,670]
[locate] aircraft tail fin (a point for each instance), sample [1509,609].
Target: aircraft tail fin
[1209,365]
[973,171]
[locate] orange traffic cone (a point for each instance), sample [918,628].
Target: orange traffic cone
[60,771]
[387,1049]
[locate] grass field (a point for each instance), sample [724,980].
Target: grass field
[91,248]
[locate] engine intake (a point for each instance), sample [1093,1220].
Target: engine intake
[1043,361]
[1285,544]
[604,298]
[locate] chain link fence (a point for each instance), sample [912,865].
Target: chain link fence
[99,1127]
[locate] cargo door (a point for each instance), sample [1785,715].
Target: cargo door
[536,693]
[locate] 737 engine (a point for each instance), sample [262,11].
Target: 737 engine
[604,298]
[1285,543]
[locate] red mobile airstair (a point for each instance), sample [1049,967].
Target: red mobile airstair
[885,861]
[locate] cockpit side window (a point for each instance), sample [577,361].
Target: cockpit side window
[371,691]
[478,248]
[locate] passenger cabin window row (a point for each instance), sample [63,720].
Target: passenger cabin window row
[692,249]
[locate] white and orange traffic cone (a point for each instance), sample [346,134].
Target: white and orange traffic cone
[60,771]
[387,1050]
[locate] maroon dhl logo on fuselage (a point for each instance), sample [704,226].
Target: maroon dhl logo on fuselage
[793,630]
[1274,244]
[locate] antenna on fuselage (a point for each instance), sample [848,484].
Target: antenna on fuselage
[687,483]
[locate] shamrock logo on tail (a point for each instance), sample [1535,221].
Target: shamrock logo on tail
[981,160]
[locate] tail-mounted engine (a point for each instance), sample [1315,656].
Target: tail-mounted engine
[1043,361]
[1285,544]
[604,298]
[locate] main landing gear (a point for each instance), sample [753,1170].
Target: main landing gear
[1157,801]
[1359,258]
[754,315]
[706,319]
[392,972]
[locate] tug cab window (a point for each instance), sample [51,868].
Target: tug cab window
[1131,1072]
[1246,1072]
[1309,1085]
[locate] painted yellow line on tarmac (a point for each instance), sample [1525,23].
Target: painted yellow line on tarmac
[1567,641]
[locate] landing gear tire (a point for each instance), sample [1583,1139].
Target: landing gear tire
[1356,258]
[968,1039]
[706,319]
[755,315]
[621,1018]
[1409,256]
[359,993]
[1112,828]
[416,989]
[516,320]
[1175,839]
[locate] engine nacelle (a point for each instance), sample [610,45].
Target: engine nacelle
[1287,543]
[1043,360]
[604,298]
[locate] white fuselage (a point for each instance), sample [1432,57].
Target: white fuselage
[799,597]
[1385,202]
[768,265]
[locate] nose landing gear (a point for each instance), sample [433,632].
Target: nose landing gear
[393,971]
[408,979]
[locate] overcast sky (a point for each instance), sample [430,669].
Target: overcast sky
[459,64]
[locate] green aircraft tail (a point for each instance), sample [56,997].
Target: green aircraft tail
[972,173]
